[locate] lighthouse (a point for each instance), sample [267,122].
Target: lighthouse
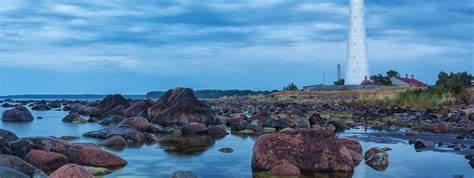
[357,68]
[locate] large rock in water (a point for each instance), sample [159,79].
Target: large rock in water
[46,161]
[71,170]
[17,114]
[7,135]
[180,107]
[93,156]
[307,149]
[136,108]
[108,103]
[20,165]
[128,133]
[376,158]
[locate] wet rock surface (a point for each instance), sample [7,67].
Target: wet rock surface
[307,149]
[180,107]
[17,114]
[376,158]
[71,170]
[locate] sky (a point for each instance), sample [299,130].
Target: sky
[136,46]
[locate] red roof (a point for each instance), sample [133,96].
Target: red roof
[412,82]
[365,81]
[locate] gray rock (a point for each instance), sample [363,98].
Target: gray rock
[11,173]
[183,174]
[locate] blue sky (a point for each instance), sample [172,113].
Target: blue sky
[134,46]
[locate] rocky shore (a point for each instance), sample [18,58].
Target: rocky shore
[296,133]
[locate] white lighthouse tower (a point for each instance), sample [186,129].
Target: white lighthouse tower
[357,67]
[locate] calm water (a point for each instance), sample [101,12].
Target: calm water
[152,161]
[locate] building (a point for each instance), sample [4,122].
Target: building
[400,81]
[356,62]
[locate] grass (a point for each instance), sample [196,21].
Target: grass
[416,98]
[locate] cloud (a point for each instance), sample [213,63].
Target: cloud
[324,7]
[219,37]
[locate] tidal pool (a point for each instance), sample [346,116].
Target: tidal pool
[208,162]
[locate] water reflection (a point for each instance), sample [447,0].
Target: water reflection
[257,174]
[186,145]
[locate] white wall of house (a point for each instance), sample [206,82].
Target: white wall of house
[398,82]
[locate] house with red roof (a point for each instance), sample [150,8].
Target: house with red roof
[400,81]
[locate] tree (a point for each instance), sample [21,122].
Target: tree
[392,73]
[380,79]
[339,82]
[453,82]
[290,87]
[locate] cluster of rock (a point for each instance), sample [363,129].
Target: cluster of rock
[39,156]
[242,113]
[140,121]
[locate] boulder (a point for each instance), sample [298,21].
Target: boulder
[154,128]
[376,158]
[17,114]
[293,118]
[20,165]
[136,108]
[117,111]
[441,128]
[216,131]
[71,170]
[11,173]
[50,144]
[7,135]
[285,170]
[316,119]
[46,161]
[356,157]
[255,126]
[108,103]
[115,141]
[54,104]
[138,123]
[127,133]
[40,107]
[7,105]
[93,156]
[180,106]
[194,128]
[183,174]
[420,144]
[20,148]
[71,117]
[151,138]
[82,109]
[338,124]
[351,144]
[307,149]
[261,117]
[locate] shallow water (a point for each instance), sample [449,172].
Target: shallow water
[153,161]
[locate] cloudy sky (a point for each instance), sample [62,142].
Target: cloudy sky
[134,46]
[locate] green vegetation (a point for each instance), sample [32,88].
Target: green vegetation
[339,82]
[290,87]
[448,88]
[384,79]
